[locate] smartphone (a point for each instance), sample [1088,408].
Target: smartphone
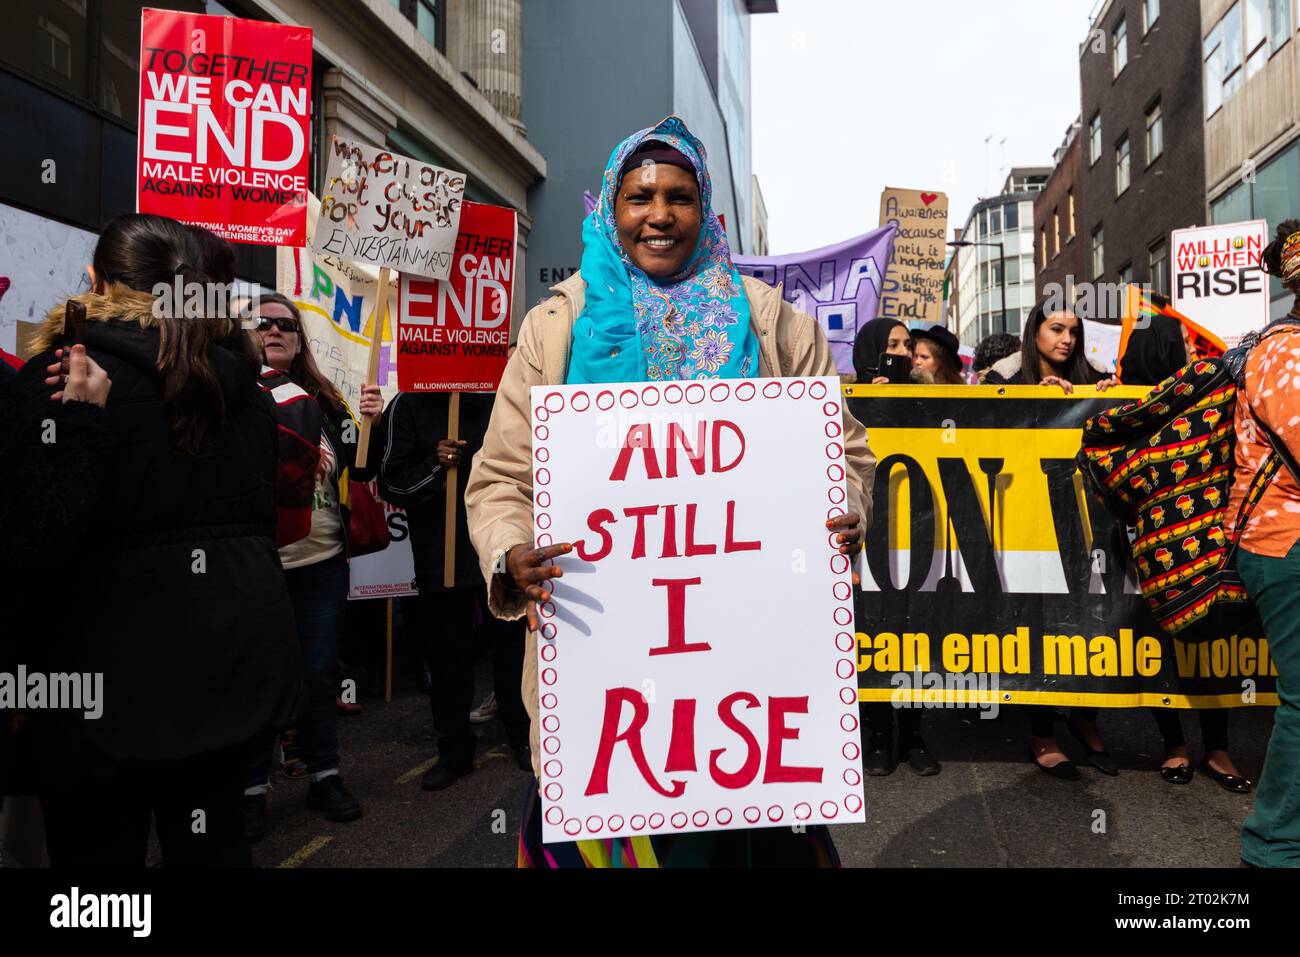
[74,324]
[897,369]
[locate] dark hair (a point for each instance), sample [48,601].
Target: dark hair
[1078,370]
[994,348]
[142,252]
[1271,258]
[303,369]
[218,255]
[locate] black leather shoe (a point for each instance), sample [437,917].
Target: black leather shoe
[878,759]
[1181,774]
[254,817]
[332,799]
[1100,760]
[445,773]
[1229,782]
[919,758]
[1065,771]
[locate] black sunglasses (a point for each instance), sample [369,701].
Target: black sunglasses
[283,323]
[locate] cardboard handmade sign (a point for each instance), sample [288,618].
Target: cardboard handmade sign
[696,662]
[386,209]
[913,290]
[454,334]
[224,121]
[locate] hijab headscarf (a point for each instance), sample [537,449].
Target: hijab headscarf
[871,341]
[635,328]
[1155,352]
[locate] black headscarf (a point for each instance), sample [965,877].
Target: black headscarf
[1155,352]
[872,340]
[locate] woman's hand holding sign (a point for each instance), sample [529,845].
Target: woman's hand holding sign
[531,568]
[850,538]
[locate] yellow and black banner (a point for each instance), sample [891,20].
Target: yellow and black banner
[992,569]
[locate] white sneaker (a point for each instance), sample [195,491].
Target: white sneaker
[486,711]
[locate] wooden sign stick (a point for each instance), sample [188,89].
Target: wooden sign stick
[449,558]
[372,369]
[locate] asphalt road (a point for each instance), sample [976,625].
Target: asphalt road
[989,808]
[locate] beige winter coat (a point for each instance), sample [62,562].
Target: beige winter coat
[499,496]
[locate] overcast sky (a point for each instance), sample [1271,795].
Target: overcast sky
[851,96]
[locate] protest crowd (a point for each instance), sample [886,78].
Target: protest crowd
[215,444]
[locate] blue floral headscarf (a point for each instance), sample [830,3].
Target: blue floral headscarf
[634,328]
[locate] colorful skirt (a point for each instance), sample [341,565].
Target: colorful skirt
[758,847]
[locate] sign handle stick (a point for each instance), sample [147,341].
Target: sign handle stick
[388,653]
[453,432]
[372,369]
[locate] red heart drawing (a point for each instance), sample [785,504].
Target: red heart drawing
[929,198]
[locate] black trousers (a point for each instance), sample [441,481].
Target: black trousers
[1214,728]
[1042,719]
[102,819]
[877,718]
[449,619]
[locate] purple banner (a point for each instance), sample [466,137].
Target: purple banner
[588,203]
[839,285]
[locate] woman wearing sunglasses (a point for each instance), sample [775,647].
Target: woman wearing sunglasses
[316,570]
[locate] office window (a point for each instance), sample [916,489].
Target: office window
[1042,244]
[1232,54]
[1011,217]
[1126,274]
[1256,36]
[1155,133]
[1098,253]
[1279,23]
[995,221]
[1122,166]
[1119,45]
[50,42]
[1056,233]
[1150,13]
[1214,70]
[1070,219]
[1094,140]
[1158,261]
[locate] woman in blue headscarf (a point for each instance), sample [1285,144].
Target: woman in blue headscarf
[658,298]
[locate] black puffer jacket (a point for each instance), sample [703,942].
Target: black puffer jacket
[180,599]
[410,476]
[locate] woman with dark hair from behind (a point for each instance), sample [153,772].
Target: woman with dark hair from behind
[1269,553]
[1156,351]
[992,349]
[180,602]
[316,569]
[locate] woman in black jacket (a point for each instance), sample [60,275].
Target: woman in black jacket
[177,599]
[316,569]
[416,457]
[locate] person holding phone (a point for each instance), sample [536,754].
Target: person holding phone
[180,600]
[658,299]
[882,353]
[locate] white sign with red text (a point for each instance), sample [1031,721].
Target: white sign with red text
[1216,279]
[696,664]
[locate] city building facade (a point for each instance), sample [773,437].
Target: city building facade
[1251,57]
[691,58]
[998,230]
[1059,258]
[1142,169]
[439,80]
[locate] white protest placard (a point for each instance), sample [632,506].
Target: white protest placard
[1216,279]
[696,664]
[386,209]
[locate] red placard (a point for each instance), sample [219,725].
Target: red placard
[225,112]
[453,334]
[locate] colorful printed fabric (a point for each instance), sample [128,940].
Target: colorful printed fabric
[759,847]
[1272,395]
[298,424]
[693,325]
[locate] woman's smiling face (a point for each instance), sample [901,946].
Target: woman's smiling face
[658,216]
